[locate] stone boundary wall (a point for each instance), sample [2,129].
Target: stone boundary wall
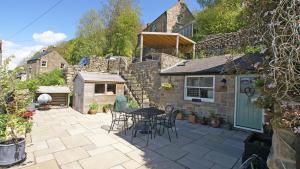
[148,74]
[97,64]
[221,44]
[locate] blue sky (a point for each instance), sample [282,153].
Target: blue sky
[59,24]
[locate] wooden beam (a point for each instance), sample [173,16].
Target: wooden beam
[177,45]
[141,47]
[194,51]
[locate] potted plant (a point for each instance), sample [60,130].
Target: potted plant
[133,104]
[180,116]
[214,120]
[93,108]
[13,127]
[106,108]
[192,118]
[167,86]
[201,118]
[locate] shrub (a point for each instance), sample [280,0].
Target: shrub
[94,106]
[133,104]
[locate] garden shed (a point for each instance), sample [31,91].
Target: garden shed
[97,87]
[59,94]
[222,85]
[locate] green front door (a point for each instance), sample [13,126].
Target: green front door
[247,115]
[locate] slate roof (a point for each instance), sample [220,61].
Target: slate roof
[214,65]
[100,77]
[36,57]
[53,89]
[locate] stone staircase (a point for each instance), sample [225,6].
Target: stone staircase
[135,89]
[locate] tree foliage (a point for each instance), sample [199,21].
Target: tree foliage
[55,77]
[221,16]
[112,30]
[122,19]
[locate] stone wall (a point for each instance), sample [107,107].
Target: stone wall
[147,74]
[97,64]
[224,97]
[221,44]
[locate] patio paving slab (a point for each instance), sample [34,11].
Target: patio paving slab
[221,159]
[172,152]
[70,155]
[73,165]
[44,165]
[75,141]
[66,139]
[105,160]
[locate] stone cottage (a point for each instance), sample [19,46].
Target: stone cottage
[45,62]
[177,19]
[101,88]
[222,85]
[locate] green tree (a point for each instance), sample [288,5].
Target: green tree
[222,17]
[122,20]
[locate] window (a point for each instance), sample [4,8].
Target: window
[44,63]
[99,88]
[111,88]
[62,65]
[199,87]
[30,70]
[153,28]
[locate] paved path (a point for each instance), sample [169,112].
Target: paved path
[66,139]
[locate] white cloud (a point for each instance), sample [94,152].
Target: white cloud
[20,52]
[49,37]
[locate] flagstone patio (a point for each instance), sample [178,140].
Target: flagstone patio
[66,139]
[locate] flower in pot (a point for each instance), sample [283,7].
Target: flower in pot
[93,108]
[107,107]
[201,119]
[214,120]
[14,99]
[167,86]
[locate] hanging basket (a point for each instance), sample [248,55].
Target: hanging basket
[167,86]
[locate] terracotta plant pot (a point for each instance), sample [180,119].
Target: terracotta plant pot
[192,119]
[215,123]
[92,111]
[179,116]
[202,121]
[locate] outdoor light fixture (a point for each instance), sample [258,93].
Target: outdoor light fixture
[223,82]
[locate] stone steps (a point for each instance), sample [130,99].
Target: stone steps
[136,89]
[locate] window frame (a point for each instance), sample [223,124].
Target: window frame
[107,88]
[45,62]
[202,99]
[104,89]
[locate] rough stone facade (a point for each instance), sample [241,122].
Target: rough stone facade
[97,64]
[224,97]
[147,74]
[172,20]
[221,44]
[54,60]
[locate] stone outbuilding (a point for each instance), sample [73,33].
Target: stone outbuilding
[97,87]
[223,85]
[59,94]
